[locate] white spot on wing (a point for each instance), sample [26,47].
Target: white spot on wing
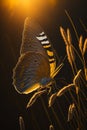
[42,33]
[45,42]
[41,38]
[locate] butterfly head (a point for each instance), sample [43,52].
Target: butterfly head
[45,81]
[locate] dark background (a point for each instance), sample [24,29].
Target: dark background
[12,105]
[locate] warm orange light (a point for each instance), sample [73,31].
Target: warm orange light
[53,2]
[17,3]
[32,7]
[26,3]
[20,7]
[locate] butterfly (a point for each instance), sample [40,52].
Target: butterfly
[36,66]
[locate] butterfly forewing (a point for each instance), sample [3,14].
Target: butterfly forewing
[34,39]
[29,40]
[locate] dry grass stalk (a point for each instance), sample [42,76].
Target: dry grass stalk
[69,47]
[72,54]
[85,47]
[76,80]
[85,57]
[21,123]
[51,127]
[81,44]
[57,70]
[69,54]
[69,38]
[71,51]
[34,98]
[71,111]
[52,99]
[64,35]
[85,73]
[64,89]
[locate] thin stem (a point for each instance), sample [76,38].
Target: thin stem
[71,21]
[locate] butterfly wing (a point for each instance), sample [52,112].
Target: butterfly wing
[36,59]
[29,71]
[29,40]
[34,39]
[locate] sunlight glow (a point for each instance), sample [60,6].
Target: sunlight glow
[17,3]
[27,3]
[28,7]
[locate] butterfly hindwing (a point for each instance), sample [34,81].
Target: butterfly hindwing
[29,71]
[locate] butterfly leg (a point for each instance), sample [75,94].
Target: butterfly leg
[50,86]
[49,89]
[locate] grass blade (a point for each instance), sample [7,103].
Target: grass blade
[52,99]
[21,123]
[71,111]
[64,89]
[51,127]
[34,98]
